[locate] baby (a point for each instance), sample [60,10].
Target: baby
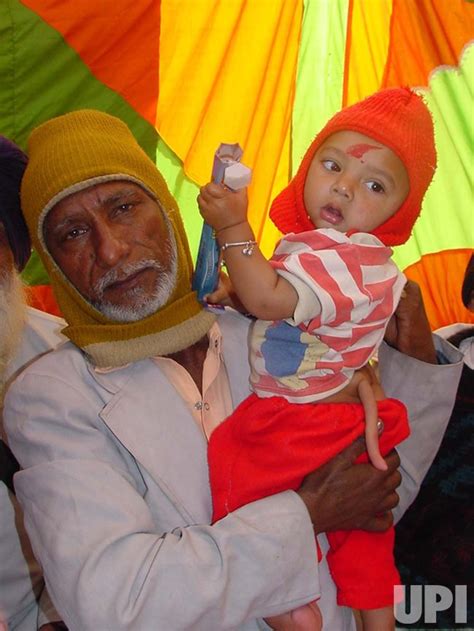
[323,303]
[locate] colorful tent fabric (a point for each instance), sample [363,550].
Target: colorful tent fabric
[188,74]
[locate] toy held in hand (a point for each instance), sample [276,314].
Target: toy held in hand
[228,170]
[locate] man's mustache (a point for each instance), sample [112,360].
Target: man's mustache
[120,274]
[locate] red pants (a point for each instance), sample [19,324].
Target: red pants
[268,445]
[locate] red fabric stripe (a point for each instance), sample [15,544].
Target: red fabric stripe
[344,304]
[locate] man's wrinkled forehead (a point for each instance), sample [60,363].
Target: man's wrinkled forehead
[106,195]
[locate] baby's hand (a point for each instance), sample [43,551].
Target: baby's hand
[222,208]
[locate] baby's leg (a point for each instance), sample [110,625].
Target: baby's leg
[378,619]
[305,618]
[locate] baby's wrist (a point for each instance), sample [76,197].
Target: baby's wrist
[238,228]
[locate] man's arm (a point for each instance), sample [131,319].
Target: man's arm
[342,495]
[429,392]
[48,618]
[410,372]
[22,587]
[408,330]
[121,553]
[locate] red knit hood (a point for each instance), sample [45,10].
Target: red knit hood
[395,117]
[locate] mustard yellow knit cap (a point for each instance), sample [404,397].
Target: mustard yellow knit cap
[74,152]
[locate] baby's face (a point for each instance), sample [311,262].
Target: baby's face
[354,183]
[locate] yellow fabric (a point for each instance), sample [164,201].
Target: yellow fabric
[227,74]
[367,48]
[73,152]
[319,81]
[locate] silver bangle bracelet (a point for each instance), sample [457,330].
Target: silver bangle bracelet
[247,246]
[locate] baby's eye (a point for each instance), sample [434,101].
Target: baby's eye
[330,165]
[375,187]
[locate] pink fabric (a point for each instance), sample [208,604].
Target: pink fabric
[215,403]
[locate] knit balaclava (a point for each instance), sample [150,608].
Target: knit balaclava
[74,152]
[12,166]
[395,117]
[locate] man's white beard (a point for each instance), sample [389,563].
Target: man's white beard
[12,319]
[145,305]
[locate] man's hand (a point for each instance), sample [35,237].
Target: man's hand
[409,330]
[225,295]
[342,495]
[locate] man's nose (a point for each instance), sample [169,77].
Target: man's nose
[111,245]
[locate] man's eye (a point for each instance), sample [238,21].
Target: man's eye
[331,165]
[123,208]
[74,234]
[375,187]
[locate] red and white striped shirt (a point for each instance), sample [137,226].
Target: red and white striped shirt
[348,288]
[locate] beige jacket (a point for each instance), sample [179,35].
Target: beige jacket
[116,497]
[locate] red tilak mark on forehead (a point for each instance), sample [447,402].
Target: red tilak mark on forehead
[357,151]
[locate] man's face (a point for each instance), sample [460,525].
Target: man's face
[113,244]
[354,183]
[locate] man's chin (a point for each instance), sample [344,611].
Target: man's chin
[137,304]
[118,313]
[131,312]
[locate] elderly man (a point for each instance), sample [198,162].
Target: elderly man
[111,428]
[24,334]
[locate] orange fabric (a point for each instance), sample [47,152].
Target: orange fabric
[117,39]
[383,35]
[428,34]
[41,297]
[441,275]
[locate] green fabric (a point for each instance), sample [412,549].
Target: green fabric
[34,55]
[184,190]
[34,272]
[447,217]
[320,75]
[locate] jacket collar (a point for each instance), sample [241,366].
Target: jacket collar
[148,417]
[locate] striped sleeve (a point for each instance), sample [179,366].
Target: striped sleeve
[340,279]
